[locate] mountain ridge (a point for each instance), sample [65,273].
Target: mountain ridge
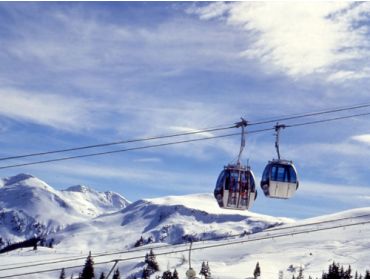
[29,206]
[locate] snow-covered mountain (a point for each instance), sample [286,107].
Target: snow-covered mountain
[281,246]
[92,203]
[29,206]
[281,250]
[172,220]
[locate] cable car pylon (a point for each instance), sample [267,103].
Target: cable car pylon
[277,139]
[243,124]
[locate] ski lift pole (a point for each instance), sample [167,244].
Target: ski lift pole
[243,124]
[191,244]
[190,273]
[113,267]
[277,134]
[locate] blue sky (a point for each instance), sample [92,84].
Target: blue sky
[76,74]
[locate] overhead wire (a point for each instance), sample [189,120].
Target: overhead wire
[118,143]
[196,248]
[186,141]
[312,114]
[328,120]
[196,131]
[177,142]
[222,238]
[129,149]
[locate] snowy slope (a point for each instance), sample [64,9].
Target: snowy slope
[29,206]
[92,203]
[280,245]
[311,244]
[172,220]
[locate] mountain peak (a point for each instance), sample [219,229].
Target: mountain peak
[17,178]
[80,188]
[30,206]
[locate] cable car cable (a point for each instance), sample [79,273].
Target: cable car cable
[215,128]
[176,142]
[328,120]
[311,114]
[118,143]
[196,248]
[96,255]
[129,149]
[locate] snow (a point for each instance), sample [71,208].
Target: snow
[30,206]
[92,203]
[278,244]
[205,202]
[164,220]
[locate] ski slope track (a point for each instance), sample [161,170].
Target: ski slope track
[231,241]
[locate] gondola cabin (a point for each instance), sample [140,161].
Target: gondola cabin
[279,179]
[235,188]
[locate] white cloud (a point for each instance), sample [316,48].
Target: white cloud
[149,160]
[298,37]
[364,138]
[147,176]
[182,129]
[81,40]
[345,75]
[61,112]
[210,11]
[358,194]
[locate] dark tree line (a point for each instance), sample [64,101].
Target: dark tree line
[335,271]
[169,275]
[142,241]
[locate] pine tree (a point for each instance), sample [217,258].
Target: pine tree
[341,273]
[88,270]
[140,242]
[152,262]
[348,273]
[151,265]
[257,271]
[51,243]
[146,260]
[338,272]
[146,273]
[102,275]
[205,270]
[167,275]
[208,271]
[367,274]
[300,273]
[333,272]
[175,275]
[62,274]
[116,274]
